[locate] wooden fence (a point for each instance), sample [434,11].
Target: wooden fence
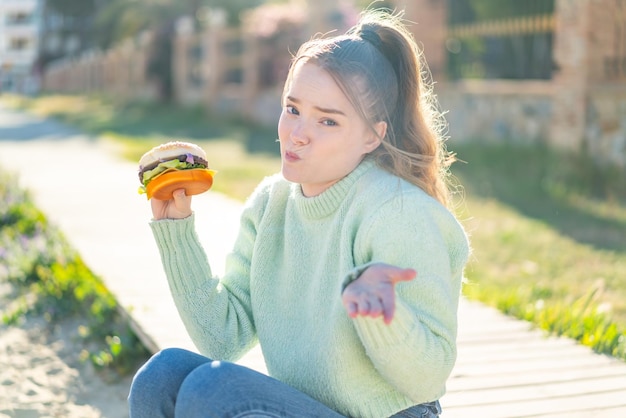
[120,71]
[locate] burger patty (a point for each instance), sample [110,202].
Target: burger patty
[183,157]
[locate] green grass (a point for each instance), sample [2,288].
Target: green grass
[548,242]
[50,279]
[547,228]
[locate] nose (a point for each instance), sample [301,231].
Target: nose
[299,135]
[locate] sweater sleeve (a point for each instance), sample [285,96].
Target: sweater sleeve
[415,352]
[217,315]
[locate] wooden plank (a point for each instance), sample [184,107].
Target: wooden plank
[494,326]
[516,339]
[516,344]
[580,361]
[616,412]
[457,384]
[504,337]
[544,390]
[529,354]
[592,402]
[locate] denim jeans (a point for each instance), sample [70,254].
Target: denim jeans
[179,383]
[425,410]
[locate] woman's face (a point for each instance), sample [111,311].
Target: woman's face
[322,138]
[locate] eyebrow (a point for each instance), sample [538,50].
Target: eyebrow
[321,109]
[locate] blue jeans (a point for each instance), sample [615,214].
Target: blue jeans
[179,383]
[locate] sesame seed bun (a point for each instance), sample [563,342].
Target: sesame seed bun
[170,150]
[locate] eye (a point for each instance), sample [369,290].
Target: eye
[291,110]
[329,122]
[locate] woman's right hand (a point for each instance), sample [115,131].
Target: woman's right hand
[178,207]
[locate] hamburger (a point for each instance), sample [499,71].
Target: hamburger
[172,166]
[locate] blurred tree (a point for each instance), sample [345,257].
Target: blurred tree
[233,8]
[121,19]
[118,20]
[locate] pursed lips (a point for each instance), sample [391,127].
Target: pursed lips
[291,156]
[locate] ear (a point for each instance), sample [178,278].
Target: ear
[379,131]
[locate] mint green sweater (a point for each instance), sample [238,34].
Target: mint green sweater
[283,282]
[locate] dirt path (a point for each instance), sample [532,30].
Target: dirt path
[41,374]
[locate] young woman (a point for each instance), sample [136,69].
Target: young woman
[347,268]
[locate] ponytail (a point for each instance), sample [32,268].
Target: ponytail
[414,147]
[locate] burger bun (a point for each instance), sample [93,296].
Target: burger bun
[194,181]
[170,150]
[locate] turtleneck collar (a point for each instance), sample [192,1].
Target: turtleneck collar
[329,200]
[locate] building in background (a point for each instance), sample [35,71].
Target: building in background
[20,23]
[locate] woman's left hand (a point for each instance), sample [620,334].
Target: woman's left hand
[373,293]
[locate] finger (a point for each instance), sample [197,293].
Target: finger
[376,308]
[179,194]
[182,202]
[157,207]
[389,308]
[403,275]
[364,307]
[388,300]
[351,308]
[348,303]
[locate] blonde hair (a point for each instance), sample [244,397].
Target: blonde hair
[381,70]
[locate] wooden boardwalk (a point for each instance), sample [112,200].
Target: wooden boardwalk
[505,369]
